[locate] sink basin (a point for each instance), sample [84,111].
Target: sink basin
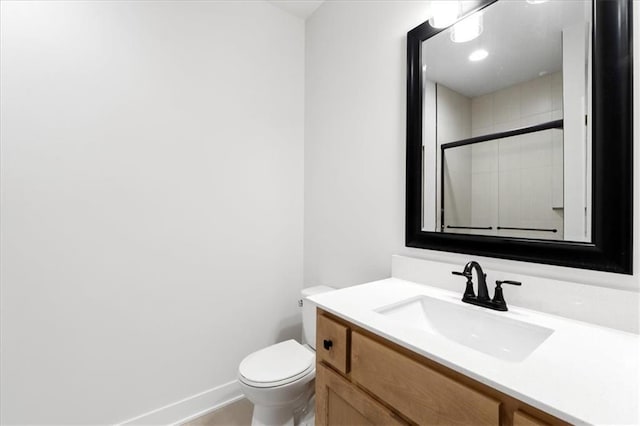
[501,337]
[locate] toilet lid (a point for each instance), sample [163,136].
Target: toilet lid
[279,363]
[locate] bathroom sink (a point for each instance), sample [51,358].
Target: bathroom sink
[488,332]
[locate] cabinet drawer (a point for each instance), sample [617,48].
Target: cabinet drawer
[422,394]
[332,343]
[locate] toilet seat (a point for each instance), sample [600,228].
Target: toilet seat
[277,365]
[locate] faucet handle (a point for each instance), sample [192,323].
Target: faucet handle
[468,291]
[498,298]
[499,283]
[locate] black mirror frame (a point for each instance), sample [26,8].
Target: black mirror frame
[612,168]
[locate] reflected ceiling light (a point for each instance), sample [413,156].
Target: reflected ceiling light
[467,29]
[537,1]
[478,55]
[444,13]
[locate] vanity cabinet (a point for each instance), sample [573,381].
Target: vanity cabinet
[364,379]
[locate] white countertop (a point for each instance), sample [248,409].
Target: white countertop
[582,373]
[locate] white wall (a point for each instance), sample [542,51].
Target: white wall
[430,154]
[152,183]
[453,115]
[354,138]
[453,123]
[576,191]
[355,149]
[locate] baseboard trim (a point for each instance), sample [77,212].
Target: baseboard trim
[209,410]
[189,408]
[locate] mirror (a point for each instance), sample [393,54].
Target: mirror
[510,150]
[499,122]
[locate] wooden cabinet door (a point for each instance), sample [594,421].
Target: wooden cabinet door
[340,403]
[523,419]
[420,393]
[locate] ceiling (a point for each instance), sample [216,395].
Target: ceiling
[300,8]
[524,41]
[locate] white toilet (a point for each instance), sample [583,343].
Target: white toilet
[279,380]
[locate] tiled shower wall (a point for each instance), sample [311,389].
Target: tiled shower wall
[532,102]
[525,171]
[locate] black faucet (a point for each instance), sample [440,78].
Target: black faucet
[482,299]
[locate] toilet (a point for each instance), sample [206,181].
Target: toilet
[279,380]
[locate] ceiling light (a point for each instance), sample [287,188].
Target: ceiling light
[478,55]
[444,13]
[467,29]
[537,1]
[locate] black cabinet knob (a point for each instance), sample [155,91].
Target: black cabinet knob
[327,344]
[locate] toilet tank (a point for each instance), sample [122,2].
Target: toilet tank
[309,313]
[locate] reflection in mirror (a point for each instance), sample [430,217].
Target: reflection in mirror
[523,196]
[506,147]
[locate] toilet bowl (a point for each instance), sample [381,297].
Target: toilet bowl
[279,379]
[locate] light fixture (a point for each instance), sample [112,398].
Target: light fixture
[537,1]
[467,29]
[444,13]
[478,55]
